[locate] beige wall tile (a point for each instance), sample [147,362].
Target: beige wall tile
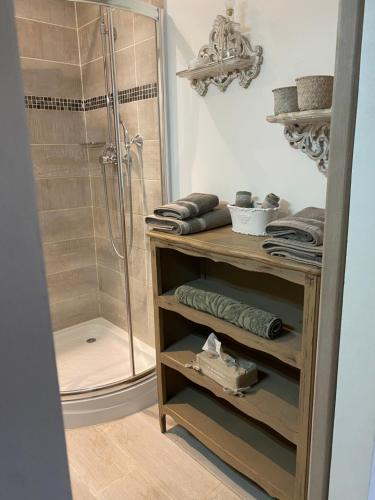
[86,13]
[138,195]
[125,63]
[68,192]
[145,55]
[138,301]
[151,168]
[59,161]
[106,255]
[149,118]
[112,283]
[60,225]
[55,127]
[153,196]
[138,264]
[139,230]
[146,195]
[96,123]
[129,116]
[69,255]
[69,284]
[101,223]
[123,23]
[46,41]
[93,79]
[76,310]
[97,187]
[94,165]
[113,310]
[44,78]
[49,11]
[144,28]
[90,42]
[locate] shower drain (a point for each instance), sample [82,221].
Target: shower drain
[91,340]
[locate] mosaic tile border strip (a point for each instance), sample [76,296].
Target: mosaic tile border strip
[140,93]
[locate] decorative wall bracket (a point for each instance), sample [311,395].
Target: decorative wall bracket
[309,132]
[228,55]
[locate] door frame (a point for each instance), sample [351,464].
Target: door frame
[344,111]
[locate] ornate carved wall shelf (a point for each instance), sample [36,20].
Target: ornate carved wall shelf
[228,55]
[309,132]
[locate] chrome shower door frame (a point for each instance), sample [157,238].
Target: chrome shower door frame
[158,15]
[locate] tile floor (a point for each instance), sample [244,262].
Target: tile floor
[129,459]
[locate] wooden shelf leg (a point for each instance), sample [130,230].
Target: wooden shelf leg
[163,423]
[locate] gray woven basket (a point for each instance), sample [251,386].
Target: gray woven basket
[285,100]
[314,92]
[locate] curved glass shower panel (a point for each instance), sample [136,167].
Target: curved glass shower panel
[92,106]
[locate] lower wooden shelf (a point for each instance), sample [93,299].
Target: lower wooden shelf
[257,454]
[273,400]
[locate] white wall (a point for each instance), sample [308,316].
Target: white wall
[222,143]
[354,424]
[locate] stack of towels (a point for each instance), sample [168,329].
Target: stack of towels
[193,214]
[298,237]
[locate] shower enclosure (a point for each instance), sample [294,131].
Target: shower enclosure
[93,80]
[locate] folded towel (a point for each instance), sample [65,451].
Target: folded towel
[307,253]
[254,320]
[215,218]
[193,205]
[306,226]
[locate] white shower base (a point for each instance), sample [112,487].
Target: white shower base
[92,375]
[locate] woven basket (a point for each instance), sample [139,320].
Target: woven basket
[285,100]
[314,92]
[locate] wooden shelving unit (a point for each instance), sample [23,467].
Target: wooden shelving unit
[265,435]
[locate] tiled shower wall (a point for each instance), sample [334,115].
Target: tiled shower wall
[61,57]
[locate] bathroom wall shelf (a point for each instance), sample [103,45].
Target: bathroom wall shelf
[227,56]
[265,435]
[309,132]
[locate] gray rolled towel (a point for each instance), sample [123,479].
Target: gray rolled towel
[261,323]
[214,218]
[306,226]
[191,206]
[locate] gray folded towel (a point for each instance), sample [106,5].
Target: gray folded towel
[215,218]
[254,320]
[307,253]
[306,226]
[193,205]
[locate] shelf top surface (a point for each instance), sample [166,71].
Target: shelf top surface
[301,117]
[228,243]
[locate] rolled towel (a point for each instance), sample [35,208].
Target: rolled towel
[215,218]
[257,321]
[306,253]
[192,206]
[306,226]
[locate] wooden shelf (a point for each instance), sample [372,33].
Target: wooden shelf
[240,250]
[301,117]
[266,434]
[286,348]
[273,400]
[256,454]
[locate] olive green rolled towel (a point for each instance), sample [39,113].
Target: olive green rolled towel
[254,320]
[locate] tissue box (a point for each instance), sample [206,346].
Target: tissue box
[230,376]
